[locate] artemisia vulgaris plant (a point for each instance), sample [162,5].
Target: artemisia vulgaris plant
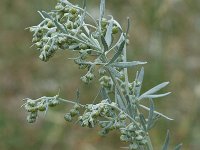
[100,46]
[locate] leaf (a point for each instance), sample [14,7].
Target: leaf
[105,45]
[102,11]
[178,147]
[45,15]
[115,72]
[104,94]
[129,106]
[73,47]
[108,36]
[154,90]
[118,53]
[128,26]
[82,17]
[94,41]
[143,122]
[164,116]
[128,64]
[166,144]
[119,101]
[78,96]
[154,96]
[139,79]
[85,30]
[60,26]
[155,118]
[84,4]
[151,113]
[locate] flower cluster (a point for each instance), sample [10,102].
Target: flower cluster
[73,112]
[94,111]
[49,35]
[133,135]
[106,82]
[41,104]
[100,44]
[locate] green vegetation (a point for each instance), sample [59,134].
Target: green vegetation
[165,34]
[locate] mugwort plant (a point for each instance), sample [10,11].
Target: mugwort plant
[100,47]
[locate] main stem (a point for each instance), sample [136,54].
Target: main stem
[124,101]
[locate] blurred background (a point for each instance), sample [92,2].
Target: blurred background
[165,33]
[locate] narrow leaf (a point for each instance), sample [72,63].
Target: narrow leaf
[151,113]
[128,64]
[129,106]
[94,41]
[128,26]
[102,11]
[166,144]
[105,45]
[154,89]
[119,101]
[104,94]
[45,15]
[82,17]
[143,122]
[164,116]
[85,30]
[139,79]
[155,118]
[178,147]
[118,53]
[108,36]
[154,96]
[60,26]
[115,72]
[84,4]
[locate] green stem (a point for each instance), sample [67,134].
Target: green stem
[149,144]
[114,80]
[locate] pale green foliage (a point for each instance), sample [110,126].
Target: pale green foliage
[101,43]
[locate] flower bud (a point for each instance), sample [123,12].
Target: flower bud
[133,146]
[124,138]
[73,11]
[30,120]
[115,30]
[41,107]
[68,117]
[74,112]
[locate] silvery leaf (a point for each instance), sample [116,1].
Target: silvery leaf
[108,36]
[128,64]
[166,144]
[140,80]
[105,45]
[155,112]
[178,147]
[118,53]
[60,26]
[151,114]
[154,95]
[154,90]
[102,11]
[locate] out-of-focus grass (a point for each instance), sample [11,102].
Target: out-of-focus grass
[165,33]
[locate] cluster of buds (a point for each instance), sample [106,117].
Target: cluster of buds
[72,113]
[88,77]
[48,35]
[41,104]
[114,124]
[105,24]
[106,82]
[133,135]
[93,111]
